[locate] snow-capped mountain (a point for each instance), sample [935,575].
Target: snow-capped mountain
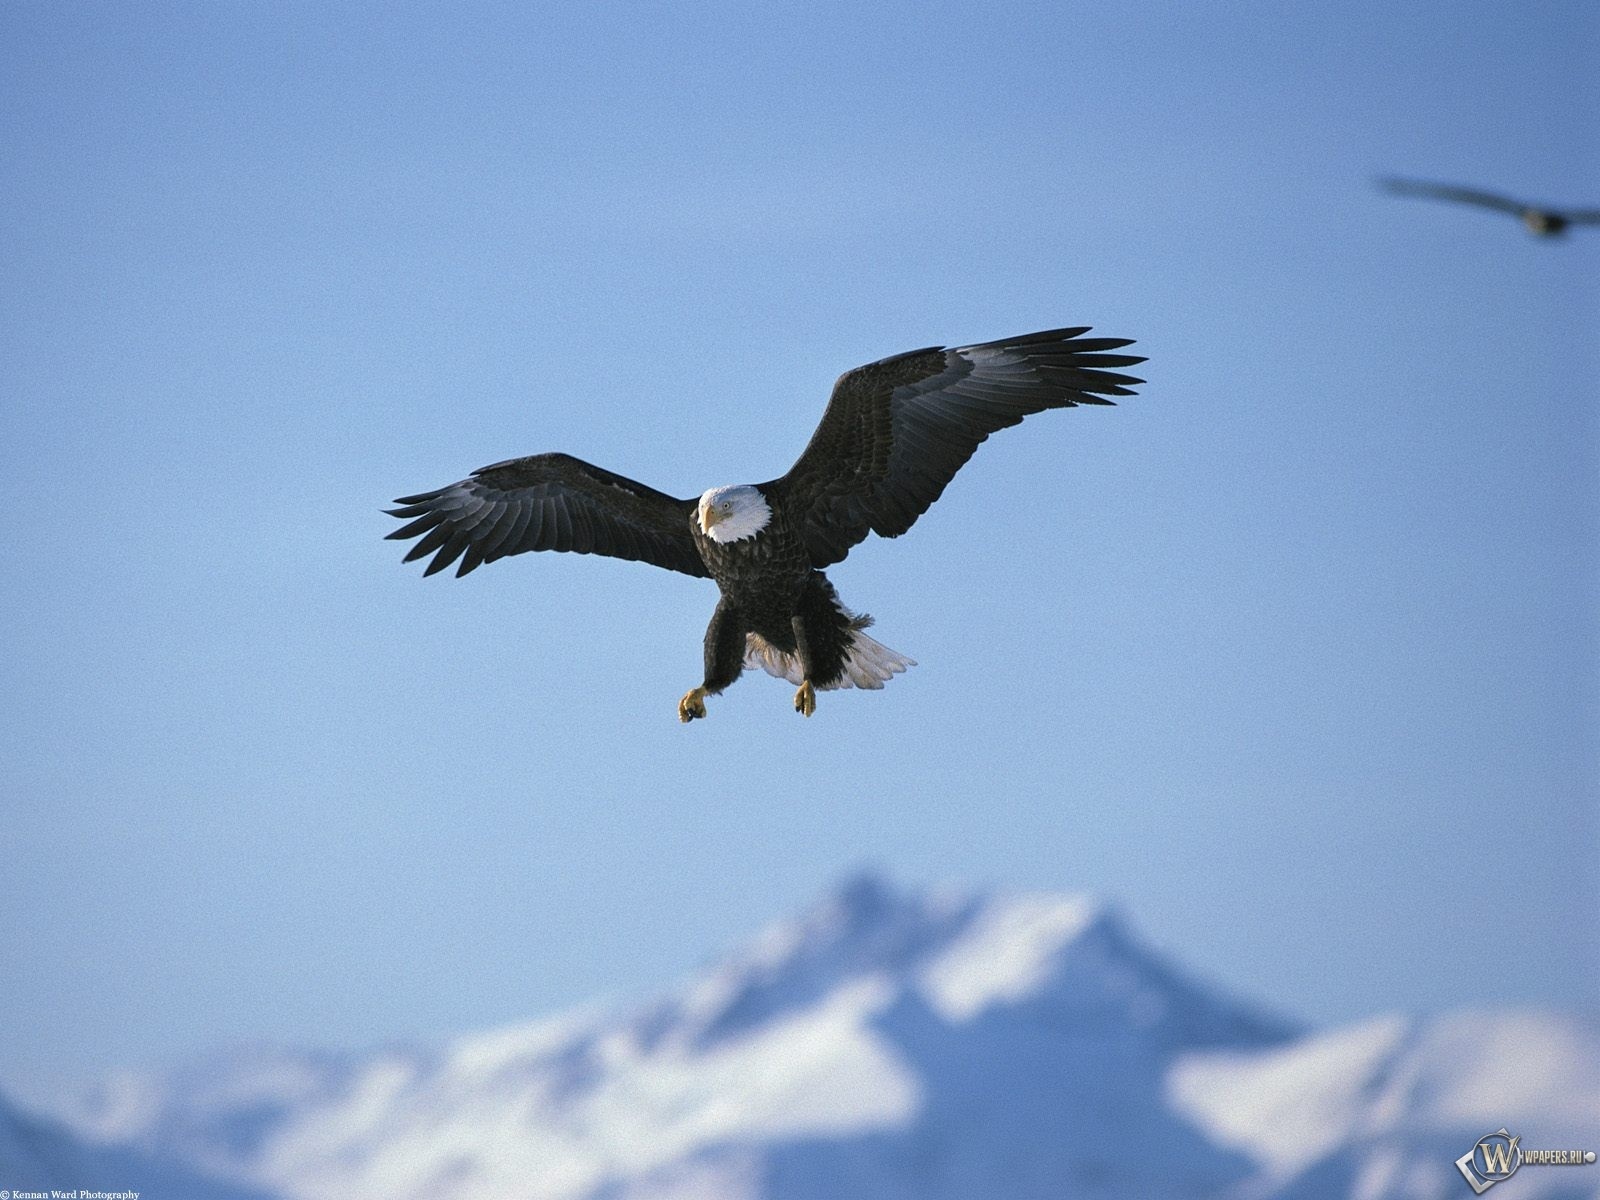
[891,1046]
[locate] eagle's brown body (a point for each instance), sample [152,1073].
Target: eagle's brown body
[770,589]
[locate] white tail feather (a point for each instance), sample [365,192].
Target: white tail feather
[867,664]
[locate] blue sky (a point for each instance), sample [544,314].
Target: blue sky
[1294,656]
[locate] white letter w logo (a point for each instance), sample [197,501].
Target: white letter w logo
[1497,1157]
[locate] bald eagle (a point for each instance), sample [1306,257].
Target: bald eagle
[1540,220]
[894,434]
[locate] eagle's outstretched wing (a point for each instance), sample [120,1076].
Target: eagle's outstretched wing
[1448,191]
[896,431]
[547,502]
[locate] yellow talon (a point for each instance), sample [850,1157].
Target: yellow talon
[692,705]
[805,700]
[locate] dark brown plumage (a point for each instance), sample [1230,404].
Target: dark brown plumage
[547,502]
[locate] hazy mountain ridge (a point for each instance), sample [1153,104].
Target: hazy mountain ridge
[889,1045]
[37,1154]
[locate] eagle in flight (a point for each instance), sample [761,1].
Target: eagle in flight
[894,434]
[1540,219]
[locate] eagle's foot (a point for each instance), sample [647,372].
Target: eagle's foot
[805,700]
[692,705]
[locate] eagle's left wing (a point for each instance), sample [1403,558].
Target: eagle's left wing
[896,431]
[548,502]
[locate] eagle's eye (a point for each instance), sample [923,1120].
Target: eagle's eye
[727,506]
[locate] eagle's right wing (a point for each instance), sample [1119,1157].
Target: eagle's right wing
[547,502]
[896,431]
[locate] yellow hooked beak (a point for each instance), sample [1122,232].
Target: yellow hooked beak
[709,516]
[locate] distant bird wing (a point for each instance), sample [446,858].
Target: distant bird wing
[1583,216]
[896,431]
[547,502]
[1445,191]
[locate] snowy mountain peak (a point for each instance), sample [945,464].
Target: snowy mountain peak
[1073,959]
[865,920]
[958,954]
[863,928]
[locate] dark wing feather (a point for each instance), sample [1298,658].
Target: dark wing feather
[547,502]
[896,431]
[1460,195]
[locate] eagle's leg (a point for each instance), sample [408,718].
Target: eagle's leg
[724,660]
[805,700]
[692,705]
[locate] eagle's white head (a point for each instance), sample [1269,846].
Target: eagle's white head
[728,514]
